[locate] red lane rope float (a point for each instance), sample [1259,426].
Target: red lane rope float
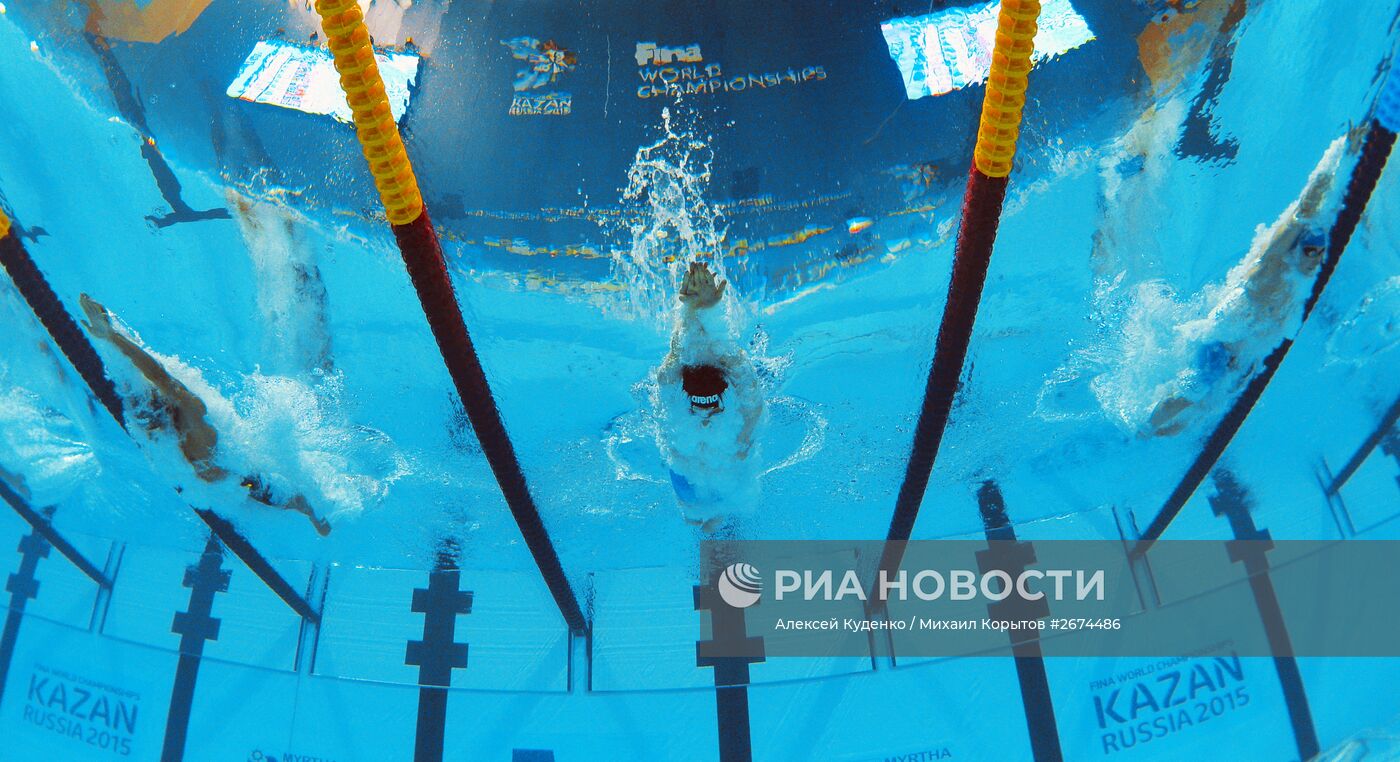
[997,133]
[383,148]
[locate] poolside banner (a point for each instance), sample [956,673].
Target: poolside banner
[304,79]
[1074,598]
[951,49]
[144,20]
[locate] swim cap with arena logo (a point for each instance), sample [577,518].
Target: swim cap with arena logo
[704,385]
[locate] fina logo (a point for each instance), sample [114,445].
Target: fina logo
[740,585]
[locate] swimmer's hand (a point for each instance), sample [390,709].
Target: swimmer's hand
[99,322]
[699,289]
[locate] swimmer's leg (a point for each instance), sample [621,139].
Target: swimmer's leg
[684,489]
[299,504]
[99,324]
[708,526]
[1212,364]
[688,497]
[259,492]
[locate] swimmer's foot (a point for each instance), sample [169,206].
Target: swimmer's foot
[709,526]
[99,321]
[299,504]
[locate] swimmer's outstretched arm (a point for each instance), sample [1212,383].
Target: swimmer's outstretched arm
[99,324]
[189,414]
[699,293]
[747,394]
[670,371]
[751,410]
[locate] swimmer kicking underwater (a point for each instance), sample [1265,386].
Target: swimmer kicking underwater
[188,416]
[710,406]
[1258,304]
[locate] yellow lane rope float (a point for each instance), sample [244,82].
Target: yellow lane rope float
[348,39]
[1006,87]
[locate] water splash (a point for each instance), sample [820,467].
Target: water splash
[794,429]
[44,445]
[667,220]
[291,295]
[1161,354]
[668,224]
[1370,329]
[295,432]
[290,433]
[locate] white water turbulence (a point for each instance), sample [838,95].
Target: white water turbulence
[43,444]
[1163,362]
[1370,329]
[1134,171]
[641,443]
[291,296]
[712,450]
[288,434]
[667,221]
[45,455]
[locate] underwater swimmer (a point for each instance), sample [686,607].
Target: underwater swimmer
[711,405]
[1260,301]
[188,416]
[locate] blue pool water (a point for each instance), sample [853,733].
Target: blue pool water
[242,246]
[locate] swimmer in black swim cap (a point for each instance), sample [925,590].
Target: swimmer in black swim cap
[710,405]
[705,386]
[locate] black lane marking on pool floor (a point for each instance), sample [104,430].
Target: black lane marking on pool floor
[728,635]
[437,654]
[1249,547]
[1013,557]
[195,626]
[41,525]
[1384,436]
[1391,447]
[258,564]
[22,586]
